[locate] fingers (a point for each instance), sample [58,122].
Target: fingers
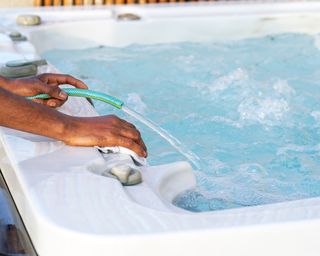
[40,101]
[58,79]
[104,131]
[128,130]
[53,91]
[121,122]
[58,96]
[120,128]
[129,143]
[134,135]
[144,146]
[127,124]
[52,103]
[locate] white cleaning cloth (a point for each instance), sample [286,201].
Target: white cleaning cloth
[140,161]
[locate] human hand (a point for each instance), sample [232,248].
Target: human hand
[45,83]
[104,131]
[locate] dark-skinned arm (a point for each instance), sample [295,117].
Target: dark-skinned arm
[18,113]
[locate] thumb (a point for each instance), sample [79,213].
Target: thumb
[55,92]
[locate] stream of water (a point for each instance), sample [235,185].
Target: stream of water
[188,154]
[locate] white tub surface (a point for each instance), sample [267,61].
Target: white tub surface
[70,210]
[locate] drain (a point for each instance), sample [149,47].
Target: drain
[127,175]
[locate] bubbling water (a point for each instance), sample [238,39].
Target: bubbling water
[249,109]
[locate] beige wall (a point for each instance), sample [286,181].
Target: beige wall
[16,3]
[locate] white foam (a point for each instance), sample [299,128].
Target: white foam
[221,119]
[298,149]
[282,87]
[223,82]
[265,111]
[316,116]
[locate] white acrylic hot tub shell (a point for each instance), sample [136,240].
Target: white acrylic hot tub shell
[68,210]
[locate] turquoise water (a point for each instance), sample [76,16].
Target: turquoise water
[250,110]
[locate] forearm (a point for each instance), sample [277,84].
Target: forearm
[4,82]
[21,114]
[9,84]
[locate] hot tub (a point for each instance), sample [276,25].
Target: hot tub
[70,210]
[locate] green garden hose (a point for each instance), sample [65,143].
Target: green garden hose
[85,93]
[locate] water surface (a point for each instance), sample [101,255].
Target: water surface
[249,109]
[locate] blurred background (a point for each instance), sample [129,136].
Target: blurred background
[30,3]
